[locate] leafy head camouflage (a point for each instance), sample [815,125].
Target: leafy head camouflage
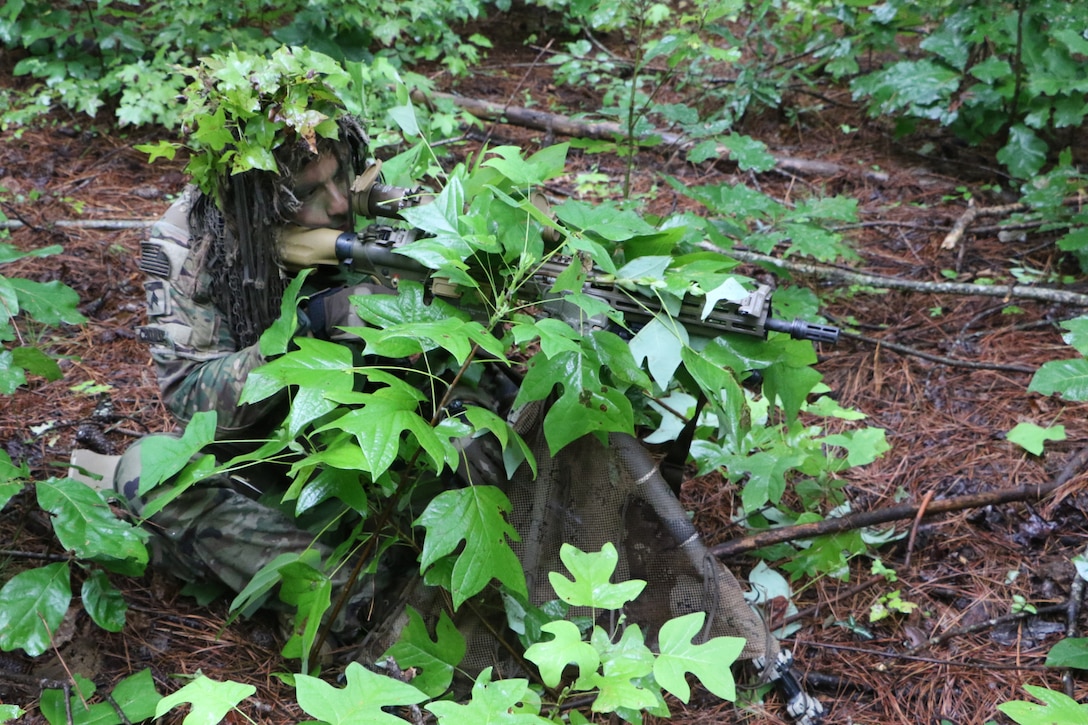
[253,122]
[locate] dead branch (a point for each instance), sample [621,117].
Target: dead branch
[608,130]
[1043,294]
[105,224]
[863,519]
[988,624]
[953,362]
[973,212]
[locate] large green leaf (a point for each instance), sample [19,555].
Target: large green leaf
[434,660]
[566,648]
[505,702]
[359,702]
[162,456]
[709,661]
[624,667]
[378,424]
[474,515]
[1070,652]
[104,602]
[1057,709]
[326,366]
[50,303]
[32,606]
[1024,154]
[591,586]
[85,525]
[210,700]
[1067,378]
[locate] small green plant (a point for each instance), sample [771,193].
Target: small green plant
[25,302]
[1056,709]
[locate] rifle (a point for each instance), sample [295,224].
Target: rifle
[374,252]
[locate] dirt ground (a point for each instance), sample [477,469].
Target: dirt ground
[945,420]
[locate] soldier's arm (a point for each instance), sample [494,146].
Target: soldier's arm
[198,363]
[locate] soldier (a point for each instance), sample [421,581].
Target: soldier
[215,283]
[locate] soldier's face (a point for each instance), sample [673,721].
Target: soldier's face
[322,187]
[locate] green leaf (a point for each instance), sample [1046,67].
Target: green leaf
[566,648]
[1024,154]
[85,524]
[34,361]
[55,709]
[32,606]
[360,701]
[137,697]
[378,424]
[325,366]
[162,456]
[50,303]
[1067,378]
[474,515]
[586,405]
[537,169]
[11,375]
[709,661]
[11,253]
[660,343]
[1031,437]
[436,659]
[1077,334]
[591,586]
[1057,709]
[104,602]
[499,703]
[210,700]
[275,339]
[1070,652]
[625,666]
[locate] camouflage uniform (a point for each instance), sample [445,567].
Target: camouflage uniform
[220,530]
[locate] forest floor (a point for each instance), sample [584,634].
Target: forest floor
[946,415]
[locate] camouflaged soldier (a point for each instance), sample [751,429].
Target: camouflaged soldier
[213,286]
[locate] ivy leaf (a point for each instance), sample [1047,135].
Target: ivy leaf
[660,343]
[326,366]
[32,606]
[162,456]
[535,170]
[586,405]
[591,586]
[210,700]
[1057,708]
[474,515]
[275,339]
[1031,437]
[104,602]
[494,703]
[709,661]
[565,648]
[84,524]
[378,424]
[624,664]
[437,659]
[1067,378]
[360,701]
[1024,154]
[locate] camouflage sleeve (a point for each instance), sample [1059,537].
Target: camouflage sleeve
[198,363]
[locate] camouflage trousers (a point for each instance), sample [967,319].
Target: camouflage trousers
[214,533]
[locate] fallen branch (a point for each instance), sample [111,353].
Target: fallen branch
[980,626]
[973,212]
[1043,294]
[864,519]
[940,359]
[107,224]
[608,130]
